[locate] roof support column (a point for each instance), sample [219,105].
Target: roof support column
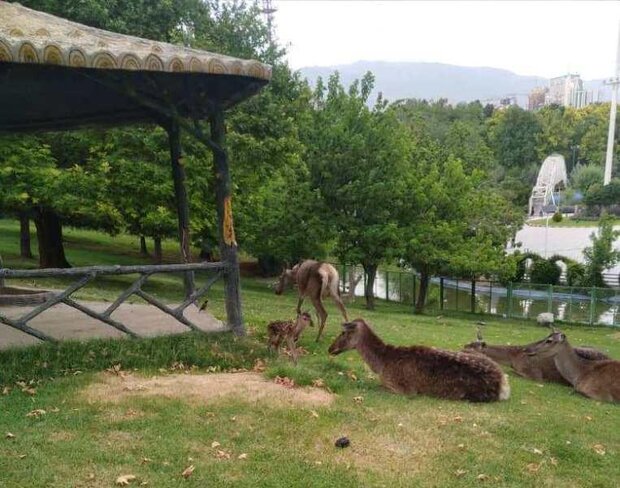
[182,203]
[226,231]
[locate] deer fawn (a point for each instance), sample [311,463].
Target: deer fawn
[534,367]
[288,331]
[425,370]
[315,280]
[599,380]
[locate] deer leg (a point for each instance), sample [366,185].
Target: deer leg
[300,301]
[290,342]
[320,310]
[340,305]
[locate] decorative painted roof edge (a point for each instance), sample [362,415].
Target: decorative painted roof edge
[29,36]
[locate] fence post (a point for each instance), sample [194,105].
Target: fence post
[592,304]
[414,290]
[387,286]
[570,304]
[441,293]
[344,277]
[473,296]
[550,299]
[509,297]
[400,286]
[457,295]
[490,296]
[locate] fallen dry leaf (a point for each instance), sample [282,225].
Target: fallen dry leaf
[242,456]
[461,446]
[215,444]
[458,419]
[599,449]
[145,460]
[28,390]
[537,451]
[314,414]
[351,375]
[187,472]
[36,413]
[222,454]
[533,467]
[9,435]
[318,383]
[553,461]
[460,472]
[482,477]
[285,382]
[588,418]
[6,390]
[125,479]
[358,399]
[21,456]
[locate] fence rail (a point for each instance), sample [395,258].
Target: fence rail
[510,300]
[86,275]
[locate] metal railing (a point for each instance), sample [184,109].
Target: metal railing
[509,300]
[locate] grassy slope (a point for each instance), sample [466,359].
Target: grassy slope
[396,441]
[567,222]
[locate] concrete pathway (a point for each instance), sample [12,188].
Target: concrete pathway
[64,322]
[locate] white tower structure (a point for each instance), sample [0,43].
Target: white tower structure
[614,82]
[552,175]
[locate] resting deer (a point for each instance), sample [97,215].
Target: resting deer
[599,380]
[315,280]
[534,367]
[425,370]
[288,331]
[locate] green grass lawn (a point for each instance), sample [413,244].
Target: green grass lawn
[545,435]
[567,222]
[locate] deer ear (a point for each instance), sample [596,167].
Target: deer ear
[349,326]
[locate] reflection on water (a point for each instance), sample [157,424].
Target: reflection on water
[525,301]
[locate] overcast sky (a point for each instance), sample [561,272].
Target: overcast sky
[545,38]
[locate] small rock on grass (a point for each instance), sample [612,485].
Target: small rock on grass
[343,442]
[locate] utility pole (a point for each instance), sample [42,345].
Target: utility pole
[268,10]
[613,82]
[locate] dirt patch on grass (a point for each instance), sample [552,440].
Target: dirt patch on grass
[251,387]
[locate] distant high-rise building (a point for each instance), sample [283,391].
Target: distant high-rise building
[568,91]
[536,98]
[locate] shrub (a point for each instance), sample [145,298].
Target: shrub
[545,272]
[575,274]
[557,217]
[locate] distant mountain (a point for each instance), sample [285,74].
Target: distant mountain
[436,80]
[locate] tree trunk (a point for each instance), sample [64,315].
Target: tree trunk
[369,285]
[157,249]
[49,234]
[143,249]
[421,301]
[24,236]
[354,279]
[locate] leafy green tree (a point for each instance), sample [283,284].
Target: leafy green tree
[584,176]
[601,255]
[513,134]
[357,159]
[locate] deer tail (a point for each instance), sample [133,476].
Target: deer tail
[504,388]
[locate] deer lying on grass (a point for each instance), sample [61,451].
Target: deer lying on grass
[425,370]
[289,332]
[316,280]
[599,380]
[534,367]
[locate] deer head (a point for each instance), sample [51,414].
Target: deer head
[286,278]
[478,344]
[304,319]
[549,346]
[349,337]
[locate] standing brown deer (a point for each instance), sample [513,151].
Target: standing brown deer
[599,380]
[425,370]
[316,280]
[534,367]
[288,331]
